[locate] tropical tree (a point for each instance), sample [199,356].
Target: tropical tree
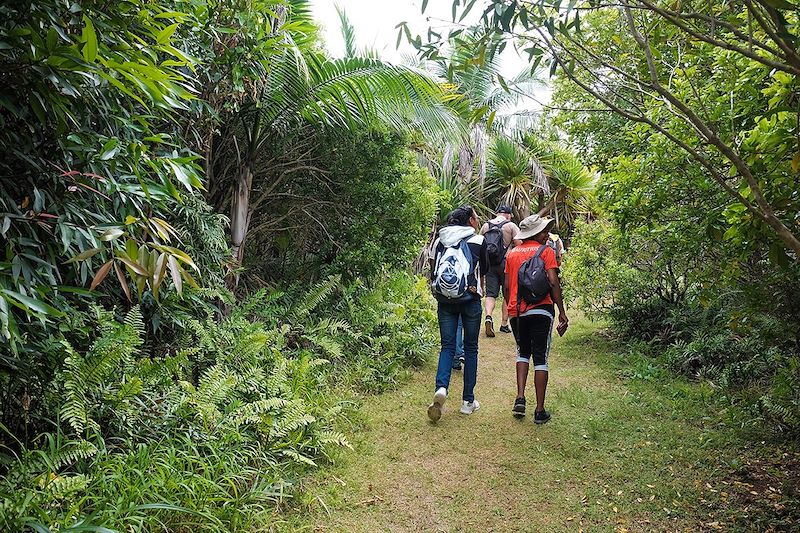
[681,70]
[533,174]
[488,104]
[92,168]
[303,89]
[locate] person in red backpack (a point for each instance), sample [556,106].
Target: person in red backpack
[499,233]
[532,322]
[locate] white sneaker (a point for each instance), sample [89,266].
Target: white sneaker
[435,409]
[470,407]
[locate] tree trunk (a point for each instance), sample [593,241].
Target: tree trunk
[240,216]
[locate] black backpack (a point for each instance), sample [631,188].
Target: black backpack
[532,283]
[495,245]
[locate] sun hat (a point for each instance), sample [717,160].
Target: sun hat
[504,208]
[533,225]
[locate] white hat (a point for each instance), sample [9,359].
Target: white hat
[533,225]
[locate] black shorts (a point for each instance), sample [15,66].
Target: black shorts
[494,280]
[533,332]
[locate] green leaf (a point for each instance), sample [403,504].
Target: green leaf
[134,266]
[165,34]
[109,149]
[111,234]
[89,37]
[31,305]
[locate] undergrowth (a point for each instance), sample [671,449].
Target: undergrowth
[213,431]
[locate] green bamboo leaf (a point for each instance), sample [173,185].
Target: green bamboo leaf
[89,37]
[28,304]
[111,234]
[109,150]
[134,266]
[132,250]
[164,35]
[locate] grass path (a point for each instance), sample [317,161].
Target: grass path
[620,454]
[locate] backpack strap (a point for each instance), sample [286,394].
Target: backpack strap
[537,254]
[496,225]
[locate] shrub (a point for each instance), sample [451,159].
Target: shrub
[738,328]
[213,430]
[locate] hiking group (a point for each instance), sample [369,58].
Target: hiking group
[470,261]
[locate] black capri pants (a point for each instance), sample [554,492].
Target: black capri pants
[533,333]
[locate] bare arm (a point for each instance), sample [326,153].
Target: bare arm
[555,292]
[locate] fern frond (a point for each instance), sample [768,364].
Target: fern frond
[257,411]
[297,456]
[59,487]
[293,418]
[58,455]
[314,297]
[333,437]
[328,344]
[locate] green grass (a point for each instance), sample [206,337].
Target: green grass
[629,448]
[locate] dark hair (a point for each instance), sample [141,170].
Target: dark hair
[460,216]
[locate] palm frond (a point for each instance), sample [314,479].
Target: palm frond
[348,32]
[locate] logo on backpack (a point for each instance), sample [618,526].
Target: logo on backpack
[532,283]
[495,244]
[451,278]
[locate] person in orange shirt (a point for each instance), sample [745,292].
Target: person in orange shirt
[532,324]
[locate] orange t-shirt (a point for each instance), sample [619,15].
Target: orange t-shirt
[514,259]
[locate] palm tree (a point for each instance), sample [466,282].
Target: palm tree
[570,183]
[489,100]
[303,88]
[531,172]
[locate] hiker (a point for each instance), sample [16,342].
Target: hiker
[532,287]
[499,233]
[457,266]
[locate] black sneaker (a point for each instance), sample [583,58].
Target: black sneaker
[505,329]
[519,408]
[540,417]
[489,326]
[457,362]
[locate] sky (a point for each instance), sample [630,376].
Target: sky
[375,20]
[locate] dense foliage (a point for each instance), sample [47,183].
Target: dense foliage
[217,432]
[136,391]
[363,205]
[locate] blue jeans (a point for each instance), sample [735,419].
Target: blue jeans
[460,339]
[449,314]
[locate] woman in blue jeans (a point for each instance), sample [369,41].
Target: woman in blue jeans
[460,232]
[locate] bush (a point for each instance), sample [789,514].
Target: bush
[366,207]
[738,329]
[213,430]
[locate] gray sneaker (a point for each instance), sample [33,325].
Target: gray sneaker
[467,408]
